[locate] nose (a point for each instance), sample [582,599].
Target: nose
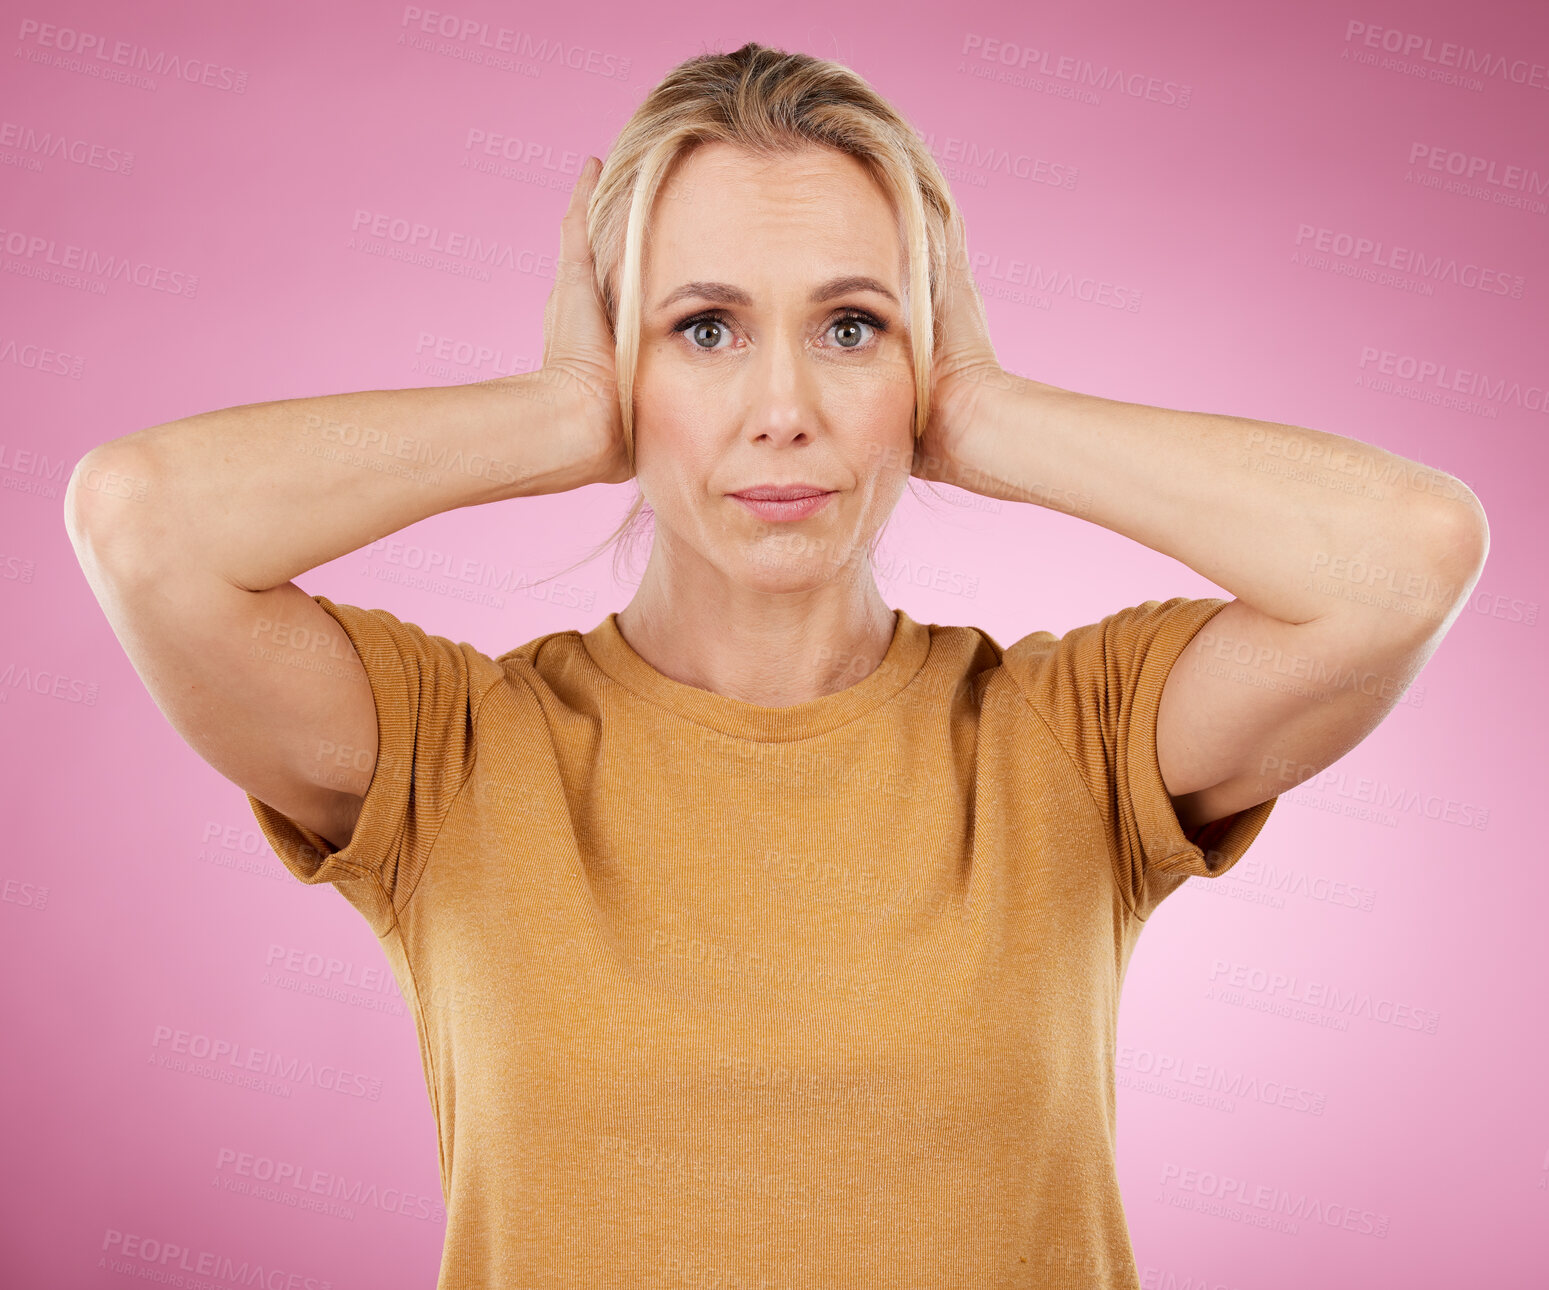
[783,402]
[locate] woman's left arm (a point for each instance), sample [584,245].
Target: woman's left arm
[1348,564]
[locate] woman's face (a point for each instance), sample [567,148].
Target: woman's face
[746,378]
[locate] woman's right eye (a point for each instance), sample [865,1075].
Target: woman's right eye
[701,326]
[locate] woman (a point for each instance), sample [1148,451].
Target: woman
[761,935]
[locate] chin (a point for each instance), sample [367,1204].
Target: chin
[794,562]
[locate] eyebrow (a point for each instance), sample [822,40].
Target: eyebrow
[723,293]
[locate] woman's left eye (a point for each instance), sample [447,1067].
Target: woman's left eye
[857,320]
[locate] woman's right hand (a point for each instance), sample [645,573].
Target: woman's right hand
[578,343]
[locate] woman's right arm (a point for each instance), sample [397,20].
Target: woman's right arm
[189,534]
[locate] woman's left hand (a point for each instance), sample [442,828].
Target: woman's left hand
[964,371]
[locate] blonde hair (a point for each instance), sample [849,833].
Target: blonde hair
[770,103]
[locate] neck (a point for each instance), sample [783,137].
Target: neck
[772,648]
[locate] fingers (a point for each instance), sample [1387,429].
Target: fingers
[575,252]
[967,323]
[963,278]
[957,250]
[581,190]
[576,334]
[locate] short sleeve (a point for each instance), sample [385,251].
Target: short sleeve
[1099,689]
[427,692]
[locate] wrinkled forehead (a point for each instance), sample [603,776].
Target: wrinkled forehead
[719,207]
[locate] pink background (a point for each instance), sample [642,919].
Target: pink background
[138,896]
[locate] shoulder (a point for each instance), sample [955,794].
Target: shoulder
[554,669]
[548,649]
[1106,654]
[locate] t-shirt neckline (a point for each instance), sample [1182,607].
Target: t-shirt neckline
[905,656]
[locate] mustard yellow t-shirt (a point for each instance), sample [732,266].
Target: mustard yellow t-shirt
[710,994]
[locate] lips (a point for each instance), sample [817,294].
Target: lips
[781,492]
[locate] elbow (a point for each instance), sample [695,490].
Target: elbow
[74,515]
[106,505]
[1462,534]
[1451,539]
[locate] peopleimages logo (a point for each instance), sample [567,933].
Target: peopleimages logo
[36,145]
[230,1061]
[506,48]
[1450,62]
[119,60]
[1236,1198]
[1334,247]
[1292,989]
[1435,381]
[422,243]
[303,1185]
[86,268]
[1009,62]
[1474,168]
[1161,1070]
[1277,882]
[990,157]
[150,1258]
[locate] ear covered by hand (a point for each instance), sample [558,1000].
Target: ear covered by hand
[578,345]
[965,366]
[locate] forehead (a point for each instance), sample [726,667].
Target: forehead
[725,215]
